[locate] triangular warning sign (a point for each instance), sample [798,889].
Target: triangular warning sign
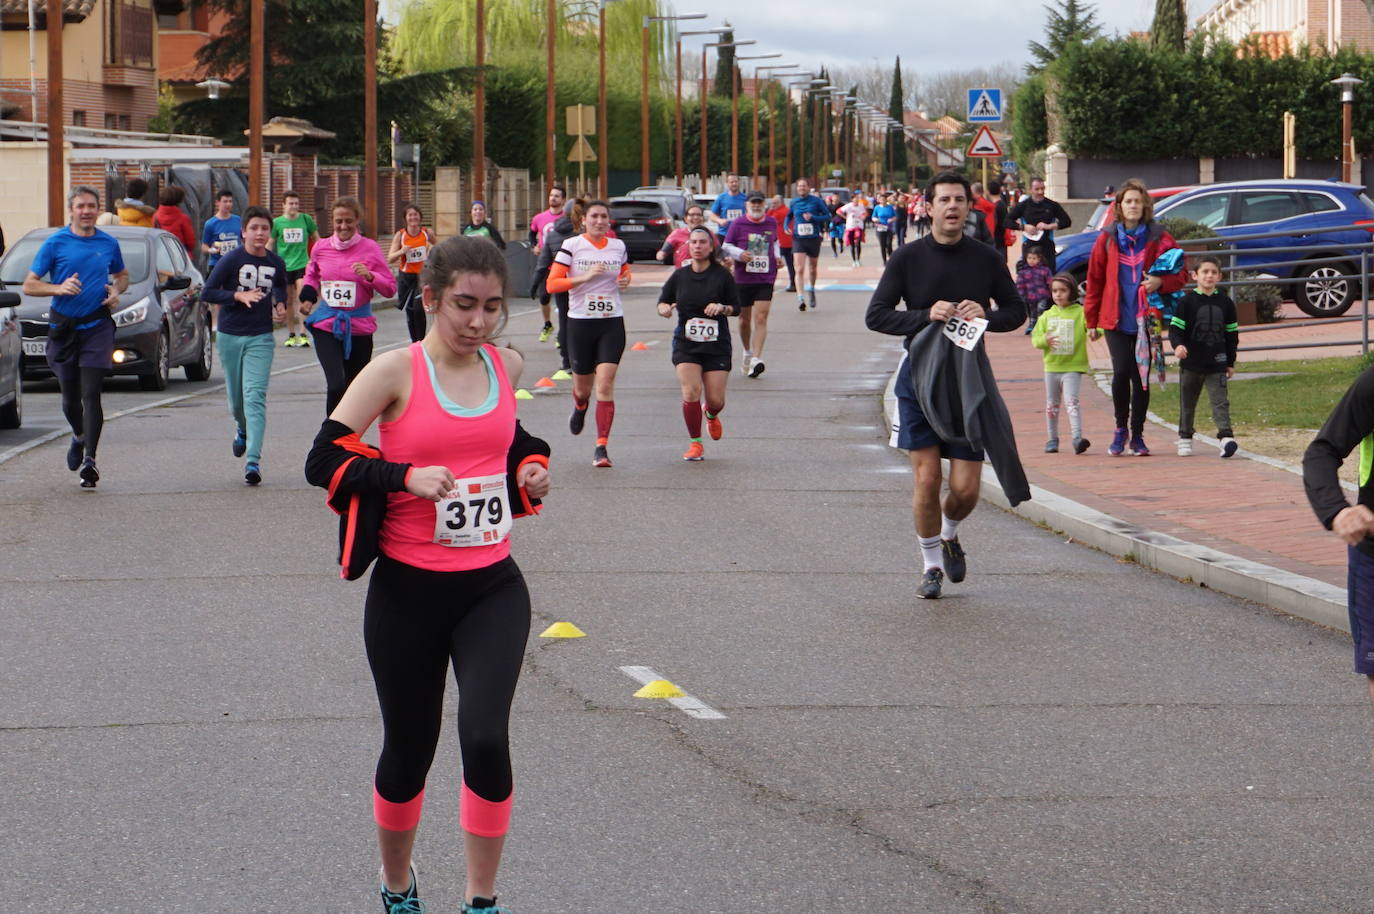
[984,144]
[581,151]
[984,108]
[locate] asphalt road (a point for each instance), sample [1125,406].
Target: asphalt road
[188,722]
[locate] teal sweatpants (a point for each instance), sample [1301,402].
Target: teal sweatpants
[247,362]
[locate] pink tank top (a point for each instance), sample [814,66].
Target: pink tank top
[470,527]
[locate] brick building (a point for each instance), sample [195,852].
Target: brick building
[109,61]
[1283,24]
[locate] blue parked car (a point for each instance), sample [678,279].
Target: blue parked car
[1278,205]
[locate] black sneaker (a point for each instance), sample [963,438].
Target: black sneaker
[1081,444]
[89,474]
[577,420]
[240,443]
[954,559]
[407,902]
[930,584]
[74,452]
[600,458]
[252,474]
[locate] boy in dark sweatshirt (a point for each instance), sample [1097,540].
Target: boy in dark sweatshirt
[1204,335]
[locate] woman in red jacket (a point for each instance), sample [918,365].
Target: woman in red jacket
[169,216]
[1118,285]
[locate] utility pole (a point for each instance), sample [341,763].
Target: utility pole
[372,201]
[57,139]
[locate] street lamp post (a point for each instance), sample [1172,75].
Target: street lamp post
[734,110]
[550,99]
[256,15]
[677,107]
[757,71]
[1347,82]
[787,117]
[644,91]
[717,45]
[479,103]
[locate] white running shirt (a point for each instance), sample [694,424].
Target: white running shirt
[599,297]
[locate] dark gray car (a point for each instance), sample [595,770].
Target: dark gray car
[11,381]
[160,323]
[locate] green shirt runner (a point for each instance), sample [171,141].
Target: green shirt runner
[291,237]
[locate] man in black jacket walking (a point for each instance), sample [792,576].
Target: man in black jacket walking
[1039,218]
[945,278]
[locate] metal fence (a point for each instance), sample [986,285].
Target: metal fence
[1331,277]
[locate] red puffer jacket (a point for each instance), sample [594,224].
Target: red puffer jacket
[1102,303]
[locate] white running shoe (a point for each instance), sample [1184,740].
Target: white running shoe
[755,367]
[1185,447]
[1228,447]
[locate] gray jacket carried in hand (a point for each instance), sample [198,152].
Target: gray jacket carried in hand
[959,398]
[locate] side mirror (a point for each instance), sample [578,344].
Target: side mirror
[9,299]
[177,282]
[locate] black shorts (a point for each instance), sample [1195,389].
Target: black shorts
[594,341]
[293,275]
[709,361]
[806,247]
[70,350]
[1360,602]
[756,292]
[912,431]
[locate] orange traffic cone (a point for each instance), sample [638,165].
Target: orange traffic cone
[639,347]
[545,382]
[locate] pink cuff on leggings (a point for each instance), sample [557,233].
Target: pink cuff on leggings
[397,816]
[484,818]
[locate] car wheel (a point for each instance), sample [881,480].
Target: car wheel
[199,370]
[1324,289]
[1080,277]
[12,414]
[162,365]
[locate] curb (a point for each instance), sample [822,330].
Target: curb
[1294,594]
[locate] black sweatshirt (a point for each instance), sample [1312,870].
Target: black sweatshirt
[1033,213]
[240,271]
[1206,324]
[1351,423]
[925,271]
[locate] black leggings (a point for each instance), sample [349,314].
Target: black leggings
[338,371]
[415,624]
[787,258]
[885,244]
[560,299]
[408,294]
[1130,398]
[81,405]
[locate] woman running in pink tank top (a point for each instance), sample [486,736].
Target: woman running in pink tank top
[445,590]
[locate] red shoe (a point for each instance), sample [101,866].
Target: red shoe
[713,426]
[695,452]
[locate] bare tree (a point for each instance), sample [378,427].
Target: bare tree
[947,92]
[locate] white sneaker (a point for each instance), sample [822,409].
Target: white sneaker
[745,364]
[1185,447]
[1228,447]
[755,367]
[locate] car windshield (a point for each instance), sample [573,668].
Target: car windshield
[1099,217]
[19,258]
[631,210]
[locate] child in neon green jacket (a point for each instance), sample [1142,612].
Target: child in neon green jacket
[1062,333]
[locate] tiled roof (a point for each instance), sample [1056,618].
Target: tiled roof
[1265,44]
[72,10]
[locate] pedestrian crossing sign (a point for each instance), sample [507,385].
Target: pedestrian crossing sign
[985,144]
[984,105]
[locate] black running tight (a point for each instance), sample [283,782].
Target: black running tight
[81,405]
[415,625]
[1130,398]
[408,294]
[338,371]
[885,244]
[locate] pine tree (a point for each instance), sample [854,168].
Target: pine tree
[1075,24]
[725,67]
[896,109]
[1169,30]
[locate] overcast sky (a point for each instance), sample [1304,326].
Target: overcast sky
[925,35]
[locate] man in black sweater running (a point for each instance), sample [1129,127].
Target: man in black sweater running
[1350,424]
[941,276]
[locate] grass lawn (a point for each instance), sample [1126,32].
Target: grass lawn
[1299,396]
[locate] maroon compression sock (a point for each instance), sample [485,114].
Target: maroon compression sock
[605,415]
[691,414]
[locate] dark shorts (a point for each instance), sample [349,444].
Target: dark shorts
[709,361]
[749,294]
[293,275]
[912,432]
[89,348]
[807,247]
[595,341]
[1359,587]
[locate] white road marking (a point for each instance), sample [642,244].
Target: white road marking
[692,707]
